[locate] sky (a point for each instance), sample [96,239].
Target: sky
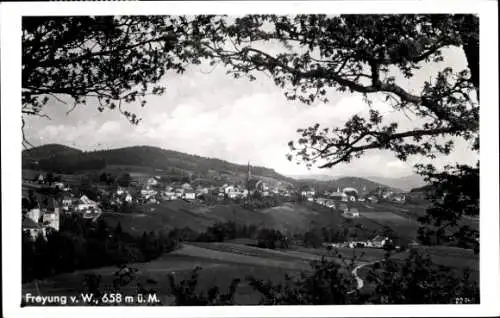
[208,113]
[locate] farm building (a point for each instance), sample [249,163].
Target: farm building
[351,193]
[32,228]
[380,241]
[151,182]
[352,213]
[189,195]
[87,205]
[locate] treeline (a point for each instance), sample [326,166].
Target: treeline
[229,230]
[222,231]
[272,238]
[81,244]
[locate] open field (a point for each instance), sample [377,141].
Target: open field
[219,268]
[288,217]
[223,262]
[383,216]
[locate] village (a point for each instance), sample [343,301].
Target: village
[45,199]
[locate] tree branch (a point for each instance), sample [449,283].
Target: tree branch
[348,150]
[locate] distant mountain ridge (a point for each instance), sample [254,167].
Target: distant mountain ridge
[47,151]
[64,159]
[318,177]
[406,183]
[363,185]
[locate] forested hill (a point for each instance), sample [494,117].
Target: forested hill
[62,159]
[48,151]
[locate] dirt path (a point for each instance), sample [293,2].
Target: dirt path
[359,281]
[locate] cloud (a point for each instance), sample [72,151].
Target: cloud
[215,115]
[109,127]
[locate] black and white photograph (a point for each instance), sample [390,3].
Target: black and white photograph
[178,155]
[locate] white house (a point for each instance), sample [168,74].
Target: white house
[146,193]
[188,195]
[321,201]
[51,219]
[34,214]
[380,241]
[151,182]
[330,204]
[372,199]
[309,193]
[169,195]
[353,213]
[85,204]
[120,191]
[233,195]
[33,228]
[351,193]
[67,201]
[228,189]
[59,185]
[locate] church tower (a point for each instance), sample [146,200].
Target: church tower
[249,175]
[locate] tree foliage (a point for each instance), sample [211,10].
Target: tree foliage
[373,55]
[363,54]
[186,293]
[325,284]
[115,60]
[417,280]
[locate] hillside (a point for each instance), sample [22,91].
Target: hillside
[361,184]
[46,152]
[145,159]
[421,189]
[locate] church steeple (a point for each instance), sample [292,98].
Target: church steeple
[249,173]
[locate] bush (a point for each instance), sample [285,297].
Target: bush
[417,280]
[185,292]
[327,284]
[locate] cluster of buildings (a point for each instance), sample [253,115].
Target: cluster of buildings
[350,194]
[82,205]
[346,195]
[41,210]
[154,190]
[341,205]
[378,241]
[40,214]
